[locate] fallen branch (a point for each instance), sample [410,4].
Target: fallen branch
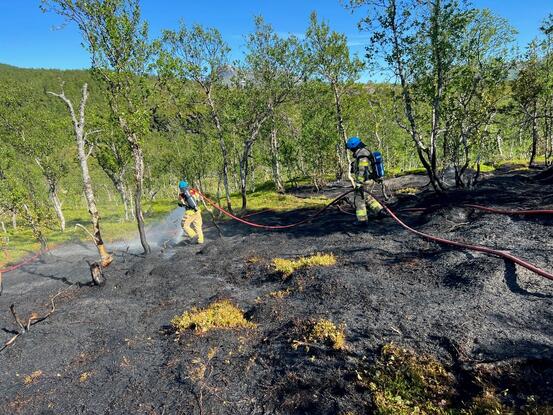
[16,318]
[33,319]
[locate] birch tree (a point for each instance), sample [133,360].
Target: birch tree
[200,55]
[419,42]
[329,55]
[117,39]
[274,67]
[113,155]
[84,151]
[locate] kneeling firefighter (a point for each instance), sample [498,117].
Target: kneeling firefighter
[191,222]
[366,167]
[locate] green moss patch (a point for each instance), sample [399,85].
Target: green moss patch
[287,266]
[221,314]
[404,383]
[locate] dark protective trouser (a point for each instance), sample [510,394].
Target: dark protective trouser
[363,199]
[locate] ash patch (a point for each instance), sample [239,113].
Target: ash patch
[111,350]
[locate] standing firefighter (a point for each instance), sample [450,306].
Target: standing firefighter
[191,222]
[365,170]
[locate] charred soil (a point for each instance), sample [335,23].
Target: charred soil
[487,324]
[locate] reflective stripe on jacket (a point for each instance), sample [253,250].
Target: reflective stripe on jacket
[362,166]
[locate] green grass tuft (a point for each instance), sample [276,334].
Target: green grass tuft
[221,314]
[407,191]
[287,266]
[403,383]
[325,331]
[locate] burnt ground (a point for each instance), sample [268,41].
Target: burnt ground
[110,350]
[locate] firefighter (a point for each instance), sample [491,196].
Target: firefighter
[364,172]
[191,222]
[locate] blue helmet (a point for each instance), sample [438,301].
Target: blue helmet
[353,143]
[183,184]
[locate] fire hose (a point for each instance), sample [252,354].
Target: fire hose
[443,241]
[275,227]
[25,262]
[464,245]
[511,212]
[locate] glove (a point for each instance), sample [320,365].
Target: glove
[180,204]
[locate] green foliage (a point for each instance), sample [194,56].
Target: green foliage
[404,383]
[196,54]
[329,55]
[117,39]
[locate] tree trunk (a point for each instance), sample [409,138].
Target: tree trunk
[246,151]
[222,145]
[37,232]
[118,182]
[79,130]
[275,161]
[57,205]
[53,193]
[14,220]
[425,155]
[535,137]
[244,165]
[438,68]
[138,158]
[130,198]
[343,138]
[499,141]
[121,189]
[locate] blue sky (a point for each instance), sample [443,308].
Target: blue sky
[29,38]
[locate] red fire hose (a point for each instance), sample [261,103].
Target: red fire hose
[511,212]
[25,262]
[514,212]
[443,241]
[464,245]
[274,227]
